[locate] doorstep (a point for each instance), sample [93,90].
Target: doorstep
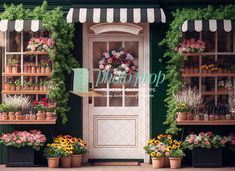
[143,167]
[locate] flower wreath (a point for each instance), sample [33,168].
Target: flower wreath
[118,62]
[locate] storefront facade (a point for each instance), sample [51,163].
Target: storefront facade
[117,128]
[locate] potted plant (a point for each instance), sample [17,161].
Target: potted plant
[79,148]
[66,153]
[176,156]
[5,109]
[156,150]
[22,143]
[12,65]
[187,101]
[39,108]
[49,112]
[41,84]
[11,113]
[17,84]
[41,44]
[206,148]
[52,152]
[191,46]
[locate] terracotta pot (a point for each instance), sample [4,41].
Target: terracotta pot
[166,162]
[33,117]
[12,116]
[175,163]
[13,88]
[14,69]
[65,162]
[76,160]
[49,115]
[190,116]
[181,116]
[53,162]
[18,88]
[33,70]
[43,69]
[48,70]
[9,69]
[0,116]
[18,116]
[41,88]
[41,115]
[158,162]
[4,116]
[7,87]
[27,117]
[36,88]
[38,70]
[44,88]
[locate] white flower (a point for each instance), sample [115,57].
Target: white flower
[106,55]
[118,54]
[101,66]
[123,73]
[113,52]
[123,65]
[107,67]
[127,69]
[129,56]
[122,52]
[116,78]
[101,62]
[119,73]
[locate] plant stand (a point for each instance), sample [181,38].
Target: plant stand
[19,157]
[203,157]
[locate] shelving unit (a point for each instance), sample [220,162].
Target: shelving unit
[210,122]
[28,122]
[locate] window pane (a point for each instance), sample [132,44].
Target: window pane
[14,41]
[133,49]
[101,101]
[115,98]
[115,45]
[99,80]
[225,41]
[98,49]
[131,98]
[209,39]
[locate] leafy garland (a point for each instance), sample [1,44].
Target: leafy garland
[62,32]
[172,40]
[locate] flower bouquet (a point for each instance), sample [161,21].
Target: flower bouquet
[41,44]
[117,63]
[34,139]
[191,46]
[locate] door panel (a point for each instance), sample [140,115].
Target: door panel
[117,119]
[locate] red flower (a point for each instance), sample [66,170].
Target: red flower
[44,99]
[35,103]
[42,102]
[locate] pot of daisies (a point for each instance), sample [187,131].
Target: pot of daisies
[79,148]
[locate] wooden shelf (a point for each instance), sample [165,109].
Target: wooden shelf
[24,92]
[208,74]
[208,53]
[28,122]
[36,53]
[27,74]
[224,92]
[210,122]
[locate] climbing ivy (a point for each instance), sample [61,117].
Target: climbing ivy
[172,40]
[62,32]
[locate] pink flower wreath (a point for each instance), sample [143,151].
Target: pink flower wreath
[118,62]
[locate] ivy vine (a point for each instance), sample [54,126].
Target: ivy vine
[62,32]
[172,40]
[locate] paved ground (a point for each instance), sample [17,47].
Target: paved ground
[113,168]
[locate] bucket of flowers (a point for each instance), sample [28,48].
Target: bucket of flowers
[23,144]
[176,155]
[206,148]
[53,152]
[191,46]
[41,44]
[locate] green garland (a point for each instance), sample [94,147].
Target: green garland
[172,40]
[62,32]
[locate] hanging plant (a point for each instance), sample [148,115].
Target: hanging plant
[61,33]
[172,41]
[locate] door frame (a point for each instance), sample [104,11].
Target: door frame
[85,104]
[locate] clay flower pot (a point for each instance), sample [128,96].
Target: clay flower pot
[33,70]
[48,70]
[41,115]
[14,69]
[7,87]
[43,69]
[53,162]
[33,117]
[76,160]
[158,162]
[18,116]
[38,70]
[181,116]
[9,69]
[12,88]
[12,116]
[18,88]
[65,162]
[0,116]
[175,163]
[27,117]
[4,116]
[49,115]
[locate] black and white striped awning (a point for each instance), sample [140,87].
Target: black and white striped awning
[208,25]
[21,25]
[123,15]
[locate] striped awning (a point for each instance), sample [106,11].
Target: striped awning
[21,25]
[123,15]
[208,25]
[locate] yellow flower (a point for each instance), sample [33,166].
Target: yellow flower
[150,141]
[174,147]
[158,154]
[152,154]
[168,148]
[169,136]
[170,141]
[156,141]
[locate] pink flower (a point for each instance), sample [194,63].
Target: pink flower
[222,142]
[196,142]
[18,142]
[110,60]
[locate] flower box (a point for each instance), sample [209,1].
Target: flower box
[19,157]
[207,157]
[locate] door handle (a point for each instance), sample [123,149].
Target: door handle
[90,89]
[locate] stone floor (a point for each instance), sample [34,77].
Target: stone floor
[113,168]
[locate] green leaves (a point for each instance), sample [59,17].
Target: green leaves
[172,40]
